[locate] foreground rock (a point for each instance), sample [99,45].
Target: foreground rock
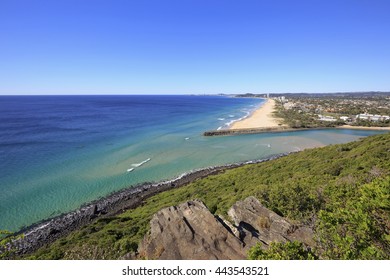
[191,231]
[256,223]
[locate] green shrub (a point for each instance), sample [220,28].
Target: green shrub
[281,251]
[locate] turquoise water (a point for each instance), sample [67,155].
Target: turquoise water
[60,152]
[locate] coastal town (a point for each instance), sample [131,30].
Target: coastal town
[290,112]
[327,110]
[368,110]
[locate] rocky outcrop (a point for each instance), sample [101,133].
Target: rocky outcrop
[191,231]
[256,223]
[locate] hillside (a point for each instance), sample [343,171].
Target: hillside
[341,192]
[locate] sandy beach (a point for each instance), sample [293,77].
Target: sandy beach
[261,118]
[364,127]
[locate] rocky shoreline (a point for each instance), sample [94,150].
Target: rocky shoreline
[224,132]
[227,132]
[48,231]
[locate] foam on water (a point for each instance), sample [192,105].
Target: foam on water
[141,163]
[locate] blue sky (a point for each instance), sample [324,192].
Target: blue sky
[193,46]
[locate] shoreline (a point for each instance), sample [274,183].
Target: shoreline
[278,129]
[229,132]
[260,118]
[47,231]
[364,127]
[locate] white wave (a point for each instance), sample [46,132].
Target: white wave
[237,120]
[263,145]
[137,165]
[219,128]
[221,119]
[141,163]
[229,123]
[231,116]
[187,138]
[36,229]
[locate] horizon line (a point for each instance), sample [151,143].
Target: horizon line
[219,93]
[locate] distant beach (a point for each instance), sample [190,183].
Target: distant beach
[365,127]
[260,118]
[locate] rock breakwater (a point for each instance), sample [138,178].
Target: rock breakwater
[225,132]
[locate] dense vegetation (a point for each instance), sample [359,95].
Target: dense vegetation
[341,191]
[354,225]
[281,251]
[5,238]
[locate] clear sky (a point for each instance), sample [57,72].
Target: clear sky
[193,46]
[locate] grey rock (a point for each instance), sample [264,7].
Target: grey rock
[256,224]
[190,231]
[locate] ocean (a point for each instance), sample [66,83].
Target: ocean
[59,152]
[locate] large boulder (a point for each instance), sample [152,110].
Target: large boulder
[190,231]
[256,223]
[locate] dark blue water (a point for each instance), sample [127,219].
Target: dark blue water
[58,152]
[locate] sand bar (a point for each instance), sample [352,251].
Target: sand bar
[364,127]
[261,118]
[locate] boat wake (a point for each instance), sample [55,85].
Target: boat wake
[141,163]
[134,165]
